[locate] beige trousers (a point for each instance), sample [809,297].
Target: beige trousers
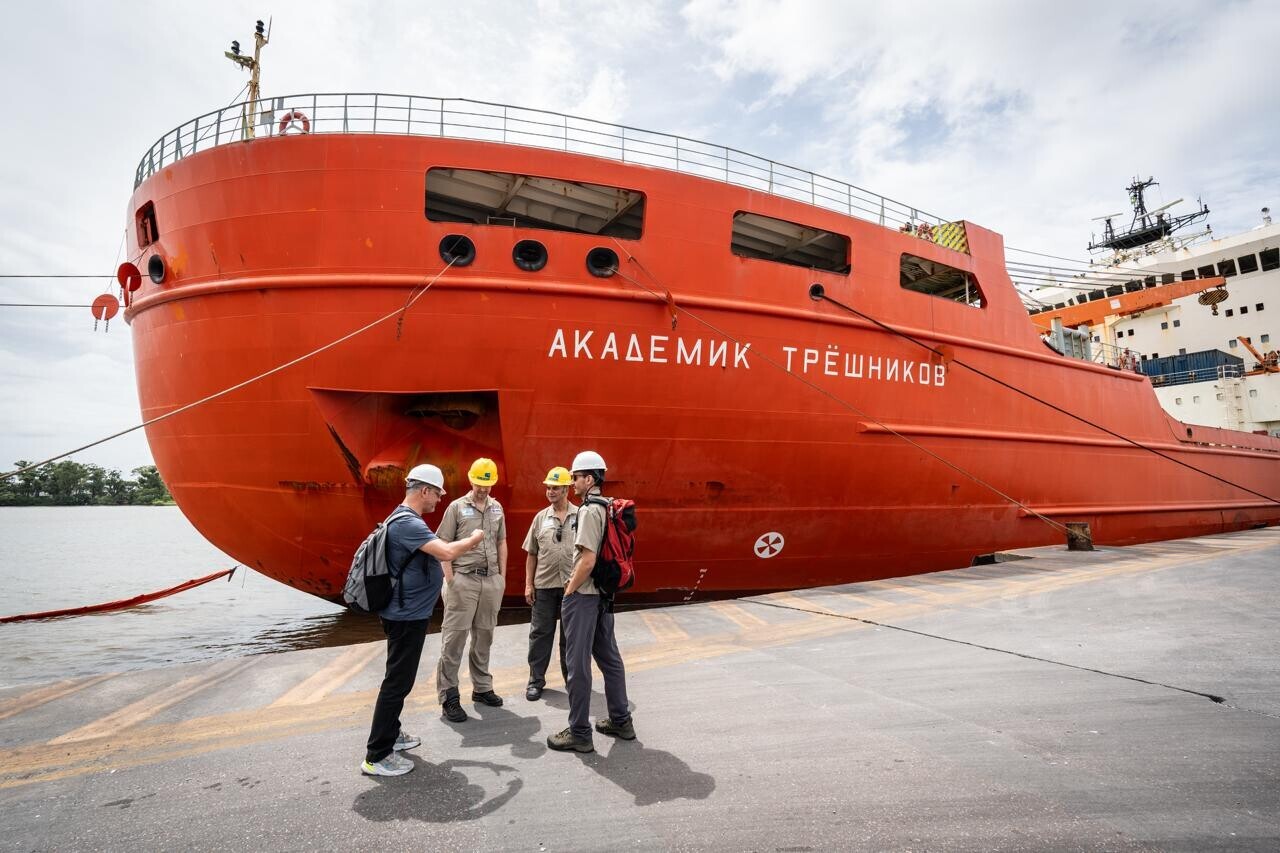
[470,607]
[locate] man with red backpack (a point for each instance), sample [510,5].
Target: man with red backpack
[588,621]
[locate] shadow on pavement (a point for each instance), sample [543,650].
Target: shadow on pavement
[498,727]
[650,775]
[450,791]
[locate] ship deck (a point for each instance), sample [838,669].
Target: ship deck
[1126,698]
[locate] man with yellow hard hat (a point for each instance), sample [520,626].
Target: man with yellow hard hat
[475,586]
[547,568]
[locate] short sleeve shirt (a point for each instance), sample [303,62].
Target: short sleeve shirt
[590,535]
[554,558]
[461,519]
[421,578]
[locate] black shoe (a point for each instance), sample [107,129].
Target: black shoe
[493,700]
[453,710]
[533,694]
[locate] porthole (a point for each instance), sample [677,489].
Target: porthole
[457,249]
[529,255]
[155,268]
[602,262]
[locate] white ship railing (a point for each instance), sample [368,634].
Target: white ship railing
[459,118]
[1204,374]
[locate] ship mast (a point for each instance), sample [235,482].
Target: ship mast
[250,110]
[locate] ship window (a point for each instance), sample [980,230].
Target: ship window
[1227,268]
[1195,398]
[1177,323]
[1244,309]
[145,219]
[1232,343]
[1177,401]
[1182,351]
[1266,339]
[1167,278]
[1206,272]
[1259,306]
[936,279]
[1218,396]
[1155,355]
[1188,275]
[526,201]
[1248,263]
[1253,392]
[1269,258]
[767,239]
[1231,312]
[1164,326]
[1131,333]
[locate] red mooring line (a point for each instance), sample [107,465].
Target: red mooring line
[123,603]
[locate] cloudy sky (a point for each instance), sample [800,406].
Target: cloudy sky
[1026,117]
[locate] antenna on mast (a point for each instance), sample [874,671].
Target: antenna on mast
[261,35]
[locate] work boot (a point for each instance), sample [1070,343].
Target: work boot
[567,741]
[493,700]
[533,694]
[453,710]
[626,731]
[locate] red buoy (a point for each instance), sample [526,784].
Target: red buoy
[129,276]
[104,308]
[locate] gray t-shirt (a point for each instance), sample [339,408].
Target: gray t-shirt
[422,577]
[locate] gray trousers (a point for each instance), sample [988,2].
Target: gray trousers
[588,633]
[542,634]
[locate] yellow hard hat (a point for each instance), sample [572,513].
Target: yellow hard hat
[558,476]
[484,472]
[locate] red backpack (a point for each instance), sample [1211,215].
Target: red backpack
[615,568]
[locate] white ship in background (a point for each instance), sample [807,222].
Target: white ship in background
[1197,314]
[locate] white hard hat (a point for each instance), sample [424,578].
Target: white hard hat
[429,474]
[588,460]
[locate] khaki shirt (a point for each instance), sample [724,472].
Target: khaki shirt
[555,559]
[590,535]
[460,520]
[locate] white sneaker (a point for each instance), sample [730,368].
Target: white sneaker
[393,765]
[404,741]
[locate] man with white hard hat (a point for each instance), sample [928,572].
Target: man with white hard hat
[414,554]
[588,629]
[547,568]
[477,581]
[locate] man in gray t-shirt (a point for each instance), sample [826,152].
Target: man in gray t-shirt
[413,555]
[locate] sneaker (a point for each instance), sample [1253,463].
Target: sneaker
[392,765]
[404,741]
[626,731]
[493,700]
[566,741]
[453,710]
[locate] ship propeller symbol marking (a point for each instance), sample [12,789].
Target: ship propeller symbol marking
[770,545]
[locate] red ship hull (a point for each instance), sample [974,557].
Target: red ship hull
[275,247]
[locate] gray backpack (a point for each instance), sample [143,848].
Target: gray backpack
[370,581]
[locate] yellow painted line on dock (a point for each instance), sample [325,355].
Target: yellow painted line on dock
[795,602]
[663,626]
[156,743]
[332,675]
[43,695]
[742,618]
[906,588]
[148,706]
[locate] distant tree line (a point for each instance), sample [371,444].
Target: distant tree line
[77,484]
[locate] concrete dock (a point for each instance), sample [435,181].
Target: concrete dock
[1124,699]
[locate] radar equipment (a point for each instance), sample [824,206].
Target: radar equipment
[261,36]
[1147,226]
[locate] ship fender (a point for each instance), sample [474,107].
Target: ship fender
[293,116]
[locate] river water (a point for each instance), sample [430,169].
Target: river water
[59,557]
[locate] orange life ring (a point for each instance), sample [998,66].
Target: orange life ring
[924,231]
[296,115]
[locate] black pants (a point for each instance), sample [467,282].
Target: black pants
[404,650]
[542,633]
